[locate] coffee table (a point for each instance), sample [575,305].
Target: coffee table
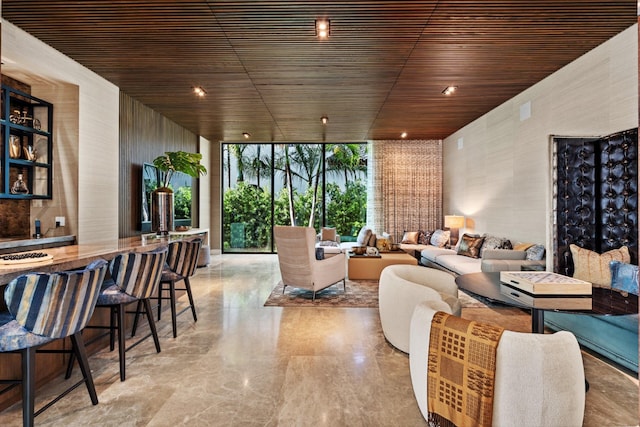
[603,301]
[362,267]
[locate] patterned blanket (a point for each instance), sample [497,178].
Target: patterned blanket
[461,368]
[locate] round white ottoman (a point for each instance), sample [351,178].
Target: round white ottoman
[401,288]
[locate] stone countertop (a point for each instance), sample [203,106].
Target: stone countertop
[77,256]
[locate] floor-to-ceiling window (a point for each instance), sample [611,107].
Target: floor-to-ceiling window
[302,184]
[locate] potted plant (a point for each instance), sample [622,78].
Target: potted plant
[162,197]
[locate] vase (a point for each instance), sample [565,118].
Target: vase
[162,210]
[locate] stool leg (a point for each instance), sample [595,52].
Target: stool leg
[28,385]
[152,324]
[135,319]
[121,343]
[172,297]
[112,322]
[83,362]
[187,285]
[160,288]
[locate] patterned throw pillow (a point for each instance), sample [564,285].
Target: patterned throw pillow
[440,238]
[410,237]
[624,277]
[535,253]
[494,242]
[424,237]
[594,267]
[470,245]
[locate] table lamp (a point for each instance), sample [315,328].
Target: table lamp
[453,223]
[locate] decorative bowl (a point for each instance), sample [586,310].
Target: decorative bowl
[359,250]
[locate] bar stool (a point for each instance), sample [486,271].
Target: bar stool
[42,308]
[181,265]
[134,278]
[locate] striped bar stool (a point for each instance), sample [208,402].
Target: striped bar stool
[181,265]
[134,278]
[43,308]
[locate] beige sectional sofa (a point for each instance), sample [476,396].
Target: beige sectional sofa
[487,260]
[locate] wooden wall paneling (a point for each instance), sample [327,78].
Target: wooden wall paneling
[144,135]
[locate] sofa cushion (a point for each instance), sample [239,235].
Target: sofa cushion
[535,253]
[624,276]
[440,238]
[424,237]
[431,252]
[593,267]
[410,237]
[520,246]
[470,245]
[460,264]
[494,242]
[327,233]
[363,236]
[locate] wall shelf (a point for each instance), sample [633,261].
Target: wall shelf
[27,145]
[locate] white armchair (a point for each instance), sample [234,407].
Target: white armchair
[298,264]
[539,378]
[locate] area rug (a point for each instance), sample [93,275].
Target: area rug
[362,293]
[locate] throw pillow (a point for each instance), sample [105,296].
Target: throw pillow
[329,243]
[494,242]
[470,245]
[372,239]
[327,233]
[410,237]
[594,267]
[423,237]
[535,253]
[363,236]
[522,246]
[624,277]
[440,238]
[383,244]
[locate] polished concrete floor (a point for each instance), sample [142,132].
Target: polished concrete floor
[243,364]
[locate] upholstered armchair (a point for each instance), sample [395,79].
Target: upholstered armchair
[539,378]
[298,264]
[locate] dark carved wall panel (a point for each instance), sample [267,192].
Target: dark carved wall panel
[596,185]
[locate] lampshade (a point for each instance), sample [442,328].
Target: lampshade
[454,221]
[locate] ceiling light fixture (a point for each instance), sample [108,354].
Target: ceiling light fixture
[449,90]
[324,120]
[246,135]
[403,135]
[198,90]
[323,28]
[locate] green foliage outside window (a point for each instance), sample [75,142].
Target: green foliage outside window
[250,205]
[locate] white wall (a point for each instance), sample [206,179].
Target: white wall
[500,178]
[86,110]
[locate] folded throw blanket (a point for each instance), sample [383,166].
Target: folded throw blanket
[461,369]
[329,243]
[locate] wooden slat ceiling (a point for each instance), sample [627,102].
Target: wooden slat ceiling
[381,72]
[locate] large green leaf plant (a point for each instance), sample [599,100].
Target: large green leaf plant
[179,161]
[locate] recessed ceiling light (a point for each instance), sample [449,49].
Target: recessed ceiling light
[324,120]
[246,135]
[198,90]
[449,90]
[403,135]
[323,28]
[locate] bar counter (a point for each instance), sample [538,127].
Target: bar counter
[77,256]
[49,366]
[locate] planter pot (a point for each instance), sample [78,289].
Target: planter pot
[162,210]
